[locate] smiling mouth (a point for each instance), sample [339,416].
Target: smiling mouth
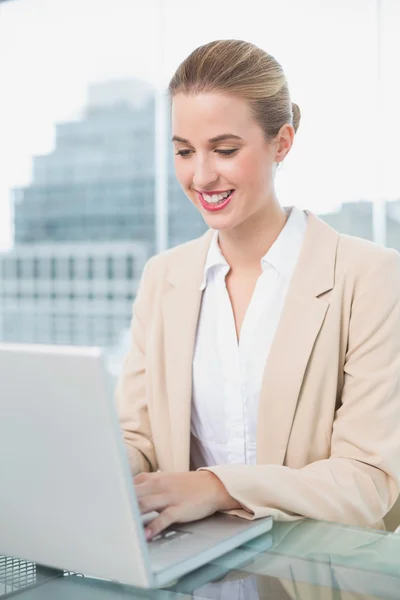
[216,200]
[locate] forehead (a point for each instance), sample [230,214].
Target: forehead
[207,115]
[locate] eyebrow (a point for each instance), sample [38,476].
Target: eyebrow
[219,138]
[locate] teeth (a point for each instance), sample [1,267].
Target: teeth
[214,198]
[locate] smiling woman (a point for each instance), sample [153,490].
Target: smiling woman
[231,131]
[264,371]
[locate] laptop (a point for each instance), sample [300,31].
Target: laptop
[67,497]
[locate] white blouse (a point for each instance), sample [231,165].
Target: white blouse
[227,375]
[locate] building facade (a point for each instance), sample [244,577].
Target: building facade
[85,225]
[98,183]
[69,293]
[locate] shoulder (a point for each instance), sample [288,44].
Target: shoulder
[351,253]
[355,264]
[180,259]
[361,257]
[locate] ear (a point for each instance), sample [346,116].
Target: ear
[283,142]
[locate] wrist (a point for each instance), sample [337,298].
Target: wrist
[223,500]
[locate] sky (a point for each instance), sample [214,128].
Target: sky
[51,50]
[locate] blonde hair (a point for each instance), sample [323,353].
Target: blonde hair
[243,69]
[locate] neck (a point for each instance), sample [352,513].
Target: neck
[244,246]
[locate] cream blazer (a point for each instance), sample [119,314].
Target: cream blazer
[328,438]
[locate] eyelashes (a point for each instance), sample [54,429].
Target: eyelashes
[183,153]
[187,153]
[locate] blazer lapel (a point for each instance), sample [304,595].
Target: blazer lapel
[181,309]
[301,320]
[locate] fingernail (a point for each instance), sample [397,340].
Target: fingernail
[147,533]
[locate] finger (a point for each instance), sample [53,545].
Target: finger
[149,484]
[149,517]
[152,502]
[143,489]
[164,520]
[148,487]
[142,478]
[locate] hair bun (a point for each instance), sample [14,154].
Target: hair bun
[296,116]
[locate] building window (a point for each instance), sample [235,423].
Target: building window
[71,268]
[119,267]
[63,268]
[27,268]
[36,273]
[129,267]
[110,267]
[18,268]
[90,267]
[53,268]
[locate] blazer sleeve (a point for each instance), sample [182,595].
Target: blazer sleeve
[360,481]
[130,395]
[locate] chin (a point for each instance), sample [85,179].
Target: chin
[219,222]
[223,220]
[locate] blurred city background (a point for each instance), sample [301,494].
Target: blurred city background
[87,187]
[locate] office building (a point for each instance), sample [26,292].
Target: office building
[85,225]
[98,183]
[69,293]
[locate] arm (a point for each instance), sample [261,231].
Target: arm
[131,397]
[359,483]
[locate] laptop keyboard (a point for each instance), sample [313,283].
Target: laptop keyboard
[169,535]
[166,536]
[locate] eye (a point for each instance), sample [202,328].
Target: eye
[184,153]
[227,152]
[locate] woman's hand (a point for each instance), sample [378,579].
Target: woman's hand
[180,497]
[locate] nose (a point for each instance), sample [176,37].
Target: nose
[204,174]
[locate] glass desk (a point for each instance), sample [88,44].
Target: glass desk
[17,575]
[302,560]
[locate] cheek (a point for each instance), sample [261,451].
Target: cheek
[248,170]
[183,172]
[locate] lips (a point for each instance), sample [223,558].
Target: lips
[216,207]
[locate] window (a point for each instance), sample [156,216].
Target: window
[18,268]
[129,267]
[90,267]
[110,267]
[71,268]
[53,268]
[36,270]
[62,267]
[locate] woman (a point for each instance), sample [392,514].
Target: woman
[264,372]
